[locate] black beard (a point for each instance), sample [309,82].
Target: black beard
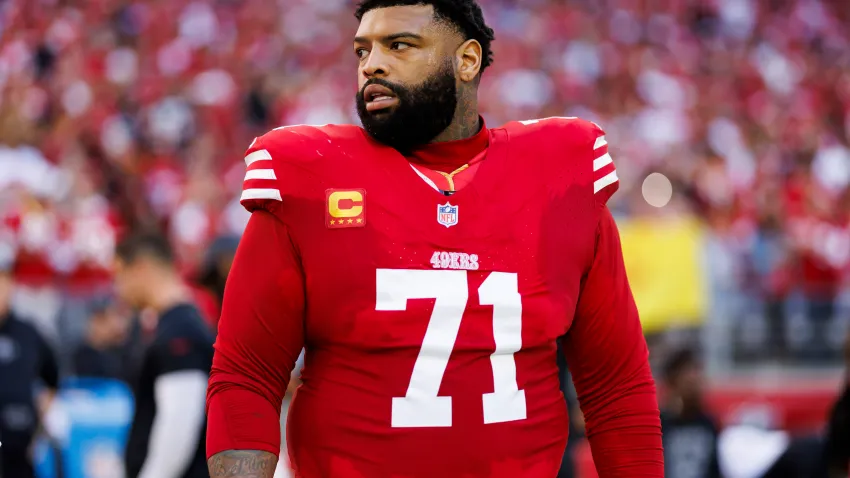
[423,111]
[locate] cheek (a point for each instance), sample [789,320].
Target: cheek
[5,291]
[122,285]
[118,285]
[694,384]
[433,59]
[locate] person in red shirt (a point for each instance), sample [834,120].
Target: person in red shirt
[429,266]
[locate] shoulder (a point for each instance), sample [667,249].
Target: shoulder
[183,342]
[183,321]
[711,423]
[300,138]
[23,329]
[285,154]
[573,146]
[556,129]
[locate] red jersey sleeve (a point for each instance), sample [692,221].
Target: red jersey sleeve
[261,188]
[607,353]
[605,180]
[260,335]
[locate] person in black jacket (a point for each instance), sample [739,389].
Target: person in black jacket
[105,352]
[166,439]
[689,432]
[25,360]
[837,443]
[568,465]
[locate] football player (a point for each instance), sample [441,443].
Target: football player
[429,264]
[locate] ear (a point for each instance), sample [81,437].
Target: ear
[469,60]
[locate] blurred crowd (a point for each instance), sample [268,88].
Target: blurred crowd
[118,114]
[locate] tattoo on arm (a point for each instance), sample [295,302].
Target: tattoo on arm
[242,464]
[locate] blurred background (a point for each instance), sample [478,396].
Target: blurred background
[729,121]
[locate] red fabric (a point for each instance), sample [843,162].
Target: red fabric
[34,232]
[260,335]
[610,371]
[207,304]
[822,247]
[362,298]
[459,180]
[447,156]
[74,245]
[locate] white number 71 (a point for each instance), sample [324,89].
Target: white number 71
[421,407]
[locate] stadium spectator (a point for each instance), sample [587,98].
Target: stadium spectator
[690,433]
[837,446]
[27,364]
[215,268]
[568,467]
[167,434]
[115,114]
[104,353]
[112,119]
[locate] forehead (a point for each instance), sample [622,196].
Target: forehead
[381,22]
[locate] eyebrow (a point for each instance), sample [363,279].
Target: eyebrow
[391,37]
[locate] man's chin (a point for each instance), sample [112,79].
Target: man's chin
[378,124]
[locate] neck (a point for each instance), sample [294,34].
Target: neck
[466,120]
[167,293]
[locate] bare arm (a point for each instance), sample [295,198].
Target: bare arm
[242,464]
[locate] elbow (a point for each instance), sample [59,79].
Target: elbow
[631,400]
[633,406]
[240,419]
[228,377]
[243,410]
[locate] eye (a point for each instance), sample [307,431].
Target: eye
[399,45]
[360,52]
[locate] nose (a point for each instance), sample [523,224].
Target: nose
[376,65]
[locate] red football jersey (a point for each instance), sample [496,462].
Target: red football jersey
[431,322]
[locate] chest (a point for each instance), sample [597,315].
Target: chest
[384,255]
[19,354]
[150,362]
[689,449]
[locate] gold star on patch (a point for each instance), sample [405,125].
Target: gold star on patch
[333,222]
[351,221]
[359,220]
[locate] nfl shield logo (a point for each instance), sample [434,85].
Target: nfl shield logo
[447,214]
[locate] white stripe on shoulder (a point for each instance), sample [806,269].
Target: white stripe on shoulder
[600,142]
[602,161]
[604,181]
[261,194]
[260,174]
[259,155]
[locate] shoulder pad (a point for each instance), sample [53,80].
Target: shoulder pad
[605,180]
[584,137]
[267,158]
[260,189]
[563,129]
